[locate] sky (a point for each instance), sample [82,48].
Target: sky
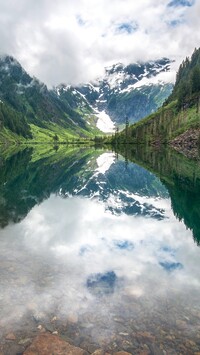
[71,41]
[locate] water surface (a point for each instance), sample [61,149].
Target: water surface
[100,250]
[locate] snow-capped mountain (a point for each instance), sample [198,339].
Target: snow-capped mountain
[133,91]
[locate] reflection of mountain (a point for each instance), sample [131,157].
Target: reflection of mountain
[26,181]
[181,177]
[126,189]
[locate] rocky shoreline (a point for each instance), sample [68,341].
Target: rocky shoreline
[188,143]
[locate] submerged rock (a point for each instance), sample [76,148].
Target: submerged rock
[100,352]
[10,336]
[47,344]
[122,353]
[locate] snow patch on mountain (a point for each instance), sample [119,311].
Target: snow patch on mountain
[104,123]
[160,79]
[115,80]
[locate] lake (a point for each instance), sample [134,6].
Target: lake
[101,247]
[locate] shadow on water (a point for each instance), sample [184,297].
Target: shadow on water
[181,177]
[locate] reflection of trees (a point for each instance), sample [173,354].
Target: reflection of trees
[180,176]
[186,204]
[12,206]
[25,183]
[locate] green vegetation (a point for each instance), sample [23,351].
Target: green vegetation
[187,86]
[166,124]
[13,121]
[28,110]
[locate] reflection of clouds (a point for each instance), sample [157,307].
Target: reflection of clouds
[62,242]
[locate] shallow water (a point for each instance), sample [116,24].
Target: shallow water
[90,247]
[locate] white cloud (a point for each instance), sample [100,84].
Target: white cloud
[71,42]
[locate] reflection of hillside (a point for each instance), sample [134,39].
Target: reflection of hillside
[181,177]
[25,182]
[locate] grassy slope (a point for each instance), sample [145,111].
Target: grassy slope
[47,135]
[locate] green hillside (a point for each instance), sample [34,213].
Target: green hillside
[28,109]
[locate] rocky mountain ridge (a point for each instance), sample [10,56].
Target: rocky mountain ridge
[131,91]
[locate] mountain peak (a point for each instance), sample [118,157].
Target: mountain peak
[10,67]
[114,68]
[9,63]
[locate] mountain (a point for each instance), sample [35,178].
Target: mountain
[133,91]
[32,105]
[178,121]
[28,109]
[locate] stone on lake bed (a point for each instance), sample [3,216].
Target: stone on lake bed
[46,344]
[145,335]
[100,352]
[53,319]
[72,318]
[122,353]
[25,341]
[10,336]
[181,324]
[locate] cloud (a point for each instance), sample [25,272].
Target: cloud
[71,42]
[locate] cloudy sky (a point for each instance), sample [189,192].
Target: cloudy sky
[72,40]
